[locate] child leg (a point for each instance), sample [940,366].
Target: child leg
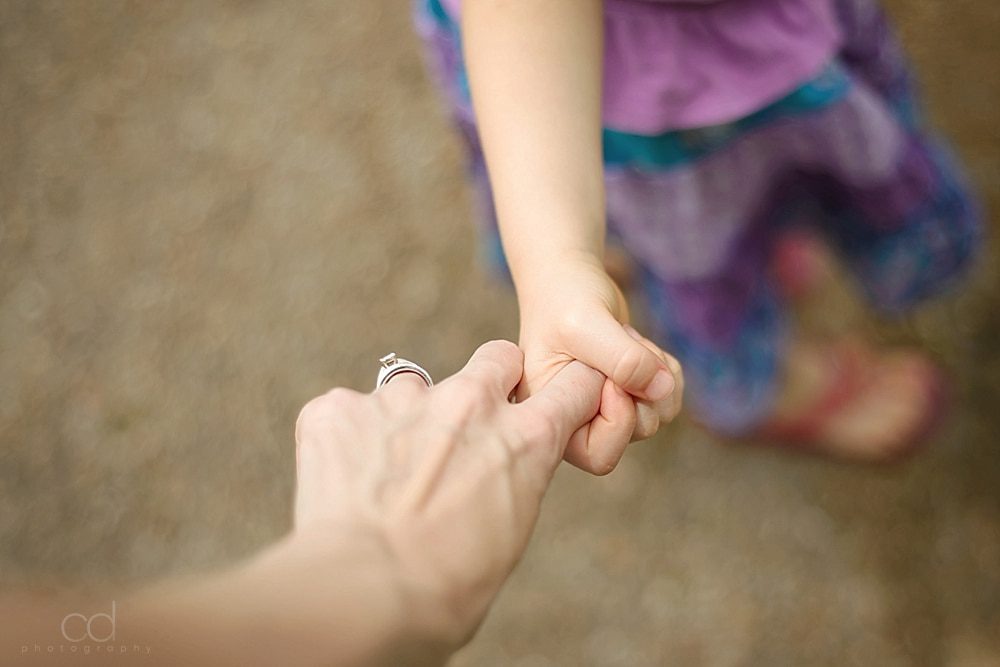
[874,55]
[910,237]
[908,233]
[748,375]
[730,333]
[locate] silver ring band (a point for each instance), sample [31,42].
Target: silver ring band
[391,366]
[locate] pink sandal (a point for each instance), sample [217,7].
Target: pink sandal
[853,369]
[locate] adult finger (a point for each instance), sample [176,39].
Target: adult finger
[597,447]
[568,401]
[603,344]
[403,387]
[496,365]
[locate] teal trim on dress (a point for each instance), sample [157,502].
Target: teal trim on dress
[436,9]
[679,147]
[676,148]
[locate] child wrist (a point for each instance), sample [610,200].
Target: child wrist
[543,266]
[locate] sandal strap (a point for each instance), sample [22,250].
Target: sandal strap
[849,375]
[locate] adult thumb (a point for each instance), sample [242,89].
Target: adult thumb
[568,401]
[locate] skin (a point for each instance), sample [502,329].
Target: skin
[535,76]
[413,506]
[528,62]
[875,425]
[897,388]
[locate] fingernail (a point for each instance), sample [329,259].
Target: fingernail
[632,332]
[661,386]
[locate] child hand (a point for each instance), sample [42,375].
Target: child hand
[573,310]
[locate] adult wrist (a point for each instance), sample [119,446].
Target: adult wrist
[418,623]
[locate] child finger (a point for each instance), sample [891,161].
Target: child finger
[647,421]
[671,406]
[597,447]
[602,343]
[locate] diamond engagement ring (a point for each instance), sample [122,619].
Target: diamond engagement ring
[391,366]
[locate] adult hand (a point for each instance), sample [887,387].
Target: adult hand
[413,506]
[448,480]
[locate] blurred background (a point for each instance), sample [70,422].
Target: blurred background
[212,211]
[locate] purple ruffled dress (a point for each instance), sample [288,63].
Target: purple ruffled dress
[725,121]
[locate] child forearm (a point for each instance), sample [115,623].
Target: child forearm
[535,74]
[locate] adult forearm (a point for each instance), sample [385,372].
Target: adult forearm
[311,599]
[413,505]
[535,75]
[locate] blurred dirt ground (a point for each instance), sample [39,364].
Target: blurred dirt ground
[212,211]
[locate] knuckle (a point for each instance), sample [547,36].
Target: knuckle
[325,407]
[557,402]
[468,395]
[603,467]
[631,367]
[540,429]
[677,396]
[310,413]
[492,372]
[508,351]
[673,364]
[305,423]
[646,428]
[494,363]
[339,399]
[574,324]
[678,403]
[502,457]
[647,421]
